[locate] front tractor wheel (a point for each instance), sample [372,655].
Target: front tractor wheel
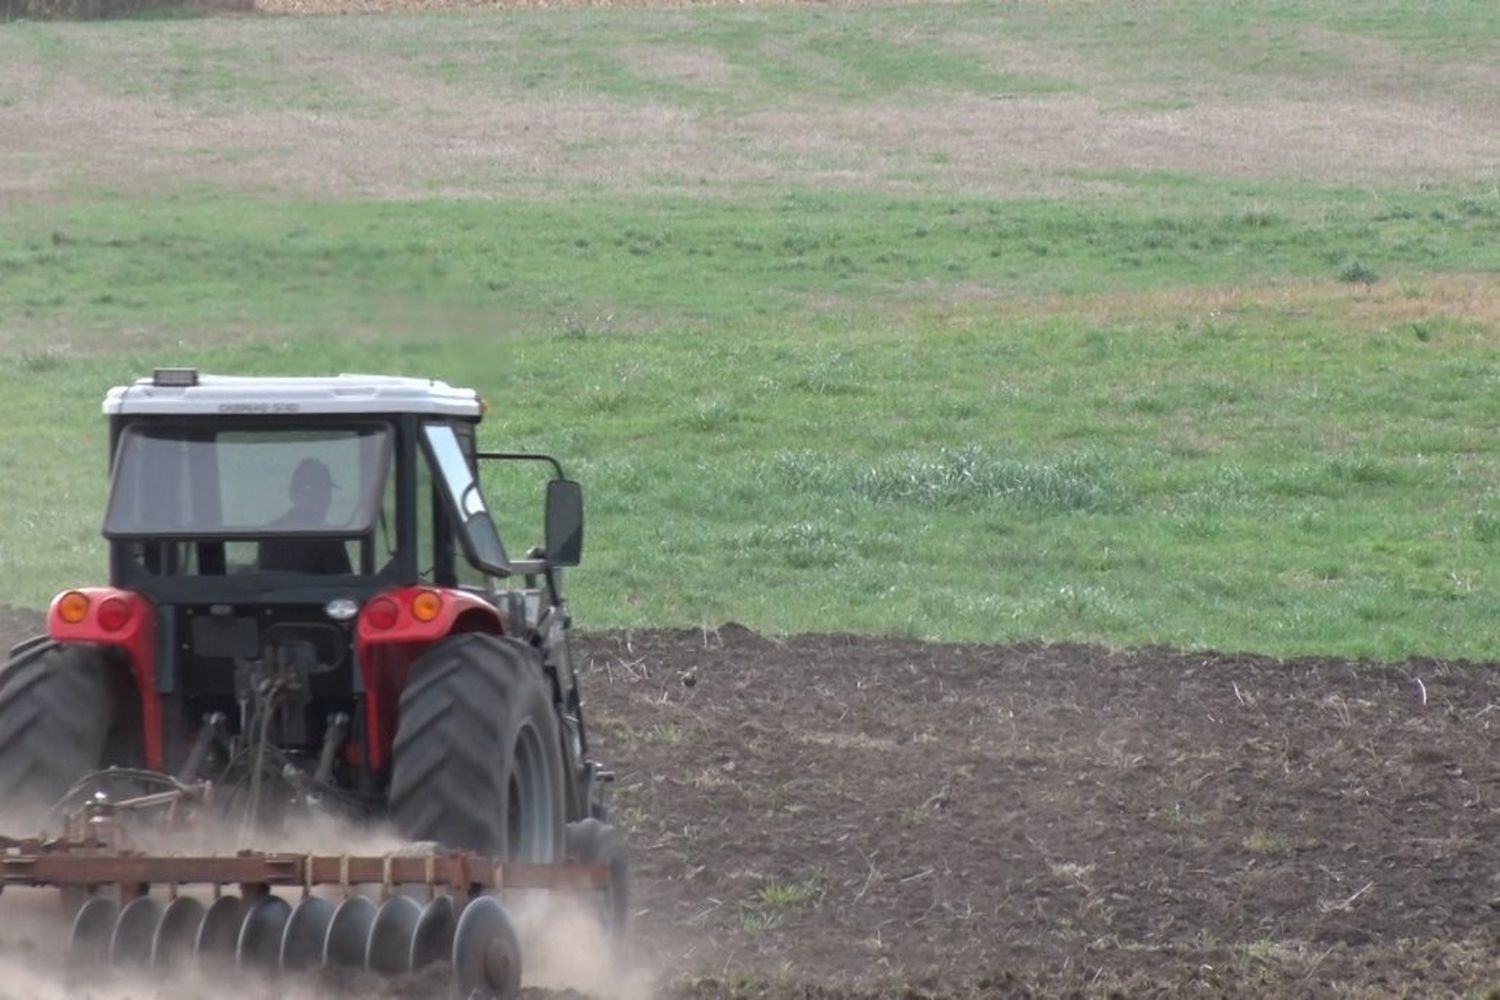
[65,711]
[477,760]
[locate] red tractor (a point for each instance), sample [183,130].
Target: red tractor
[310,610]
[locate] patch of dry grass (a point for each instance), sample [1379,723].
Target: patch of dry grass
[1462,298]
[326,7]
[1025,147]
[411,107]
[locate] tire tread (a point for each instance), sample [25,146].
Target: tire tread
[56,714]
[447,776]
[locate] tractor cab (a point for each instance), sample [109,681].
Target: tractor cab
[266,488]
[318,534]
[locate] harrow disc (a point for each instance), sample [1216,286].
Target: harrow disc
[432,940]
[92,929]
[348,933]
[134,930]
[177,933]
[306,930]
[259,945]
[220,930]
[389,949]
[598,843]
[486,953]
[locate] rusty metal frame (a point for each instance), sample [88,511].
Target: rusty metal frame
[95,851]
[34,863]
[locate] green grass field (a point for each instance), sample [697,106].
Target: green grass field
[1148,324]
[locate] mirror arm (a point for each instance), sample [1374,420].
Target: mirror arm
[530,566]
[554,589]
[548,572]
[523,456]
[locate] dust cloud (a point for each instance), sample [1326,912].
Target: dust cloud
[564,947]
[26,980]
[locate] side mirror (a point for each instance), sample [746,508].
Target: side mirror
[564,533]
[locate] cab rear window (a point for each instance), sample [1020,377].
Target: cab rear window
[192,482]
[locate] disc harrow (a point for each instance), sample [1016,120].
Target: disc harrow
[389,914]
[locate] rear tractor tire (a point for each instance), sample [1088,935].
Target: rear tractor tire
[65,711]
[477,759]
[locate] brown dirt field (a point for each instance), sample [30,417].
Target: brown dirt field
[16,624]
[846,817]
[1055,818]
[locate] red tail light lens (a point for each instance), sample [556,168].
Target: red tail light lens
[382,613]
[114,614]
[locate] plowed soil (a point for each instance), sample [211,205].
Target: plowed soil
[841,816]
[1057,819]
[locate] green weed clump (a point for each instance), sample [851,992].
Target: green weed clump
[1356,272]
[781,894]
[970,477]
[1487,527]
[966,478]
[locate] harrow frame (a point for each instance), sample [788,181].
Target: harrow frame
[36,863]
[94,851]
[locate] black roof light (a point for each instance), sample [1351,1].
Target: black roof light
[175,378]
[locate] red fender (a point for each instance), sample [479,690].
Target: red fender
[129,624]
[397,626]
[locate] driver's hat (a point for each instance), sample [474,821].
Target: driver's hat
[312,474]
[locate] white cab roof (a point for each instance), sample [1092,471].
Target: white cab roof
[228,394]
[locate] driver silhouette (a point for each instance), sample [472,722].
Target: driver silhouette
[311,493]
